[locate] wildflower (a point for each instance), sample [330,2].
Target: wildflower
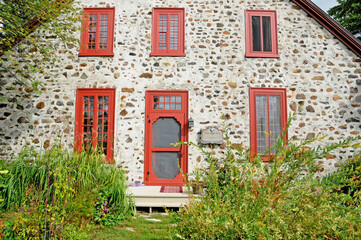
[232,178]
[104,203]
[222,165]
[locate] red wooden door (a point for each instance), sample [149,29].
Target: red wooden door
[166,124]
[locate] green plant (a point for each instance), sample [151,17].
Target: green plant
[280,199]
[55,189]
[103,212]
[195,184]
[346,182]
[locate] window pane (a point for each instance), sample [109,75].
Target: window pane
[92,31]
[165,131]
[262,124]
[103,31]
[165,165]
[267,38]
[173,31]
[256,33]
[275,119]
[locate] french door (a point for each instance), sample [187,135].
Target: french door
[94,120]
[166,125]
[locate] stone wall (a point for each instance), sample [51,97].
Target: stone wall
[317,70]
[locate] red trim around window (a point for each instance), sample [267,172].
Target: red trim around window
[249,36]
[253,92]
[102,42]
[166,41]
[94,120]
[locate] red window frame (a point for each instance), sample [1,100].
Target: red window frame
[274,41]
[84,40]
[80,122]
[156,32]
[253,92]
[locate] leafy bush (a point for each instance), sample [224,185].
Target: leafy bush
[346,182]
[56,191]
[281,199]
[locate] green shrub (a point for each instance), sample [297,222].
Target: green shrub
[280,199]
[346,182]
[56,191]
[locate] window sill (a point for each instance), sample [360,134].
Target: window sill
[261,55]
[167,55]
[96,54]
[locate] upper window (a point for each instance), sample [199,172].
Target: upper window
[168,32]
[261,34]
[94,121]
[98,32]
[268,119]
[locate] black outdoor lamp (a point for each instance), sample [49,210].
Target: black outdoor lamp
[190,123]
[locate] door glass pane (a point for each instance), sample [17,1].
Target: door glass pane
[167,102]
[262,124]
[266,29]
[275,119]
[165,165]
[102,123]
[88,109]
[256,33]
[166,130]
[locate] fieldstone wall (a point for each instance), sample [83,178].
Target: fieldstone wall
[317,70]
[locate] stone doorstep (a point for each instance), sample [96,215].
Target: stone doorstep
[160,202]
[154,192]
[150,196]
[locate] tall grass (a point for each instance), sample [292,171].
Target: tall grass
[58,187]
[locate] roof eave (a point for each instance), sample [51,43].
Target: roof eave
[331,25]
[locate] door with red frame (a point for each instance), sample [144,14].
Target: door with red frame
[166,123]
[94,120]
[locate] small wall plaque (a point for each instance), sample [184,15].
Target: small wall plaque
[211,135]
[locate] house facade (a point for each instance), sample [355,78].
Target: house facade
[150,73]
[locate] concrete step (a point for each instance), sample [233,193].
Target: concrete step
[150,196]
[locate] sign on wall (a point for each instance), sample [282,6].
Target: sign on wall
[211,135]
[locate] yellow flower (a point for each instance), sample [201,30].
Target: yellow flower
[4,171]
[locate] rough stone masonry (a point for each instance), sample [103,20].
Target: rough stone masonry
[317,70]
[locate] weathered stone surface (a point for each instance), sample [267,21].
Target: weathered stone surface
[40,105]
[336,97]
[128,90]
[310,136]
[232,84]
[309,108]
[293,106]
[318,78]
[23,120]
[123,112]
[146,75]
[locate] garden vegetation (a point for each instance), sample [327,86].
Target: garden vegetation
[57,194]
[246,198]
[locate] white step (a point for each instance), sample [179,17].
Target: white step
[150,196]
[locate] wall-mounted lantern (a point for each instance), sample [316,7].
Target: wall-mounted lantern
[190,123]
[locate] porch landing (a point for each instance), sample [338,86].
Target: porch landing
[150,196]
